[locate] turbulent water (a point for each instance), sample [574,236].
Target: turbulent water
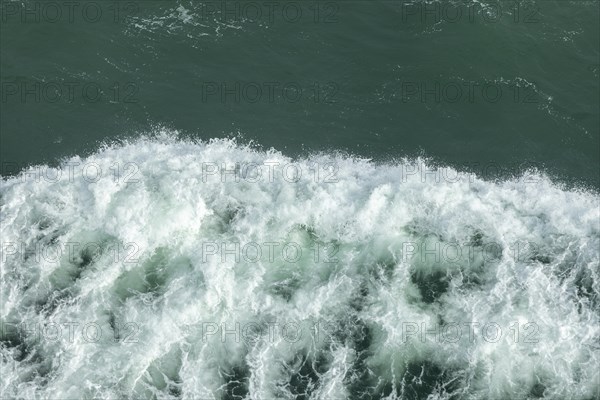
[169,268]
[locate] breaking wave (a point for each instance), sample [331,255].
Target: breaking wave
[170,269]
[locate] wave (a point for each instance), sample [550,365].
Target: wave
[168,268]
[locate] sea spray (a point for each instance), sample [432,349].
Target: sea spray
[143,271]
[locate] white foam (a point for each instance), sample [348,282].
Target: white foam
[352,307]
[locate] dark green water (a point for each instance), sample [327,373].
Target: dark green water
[487,86]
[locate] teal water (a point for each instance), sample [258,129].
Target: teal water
[300,200]
[490,85]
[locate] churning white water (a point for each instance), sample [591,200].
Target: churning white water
[168,269]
